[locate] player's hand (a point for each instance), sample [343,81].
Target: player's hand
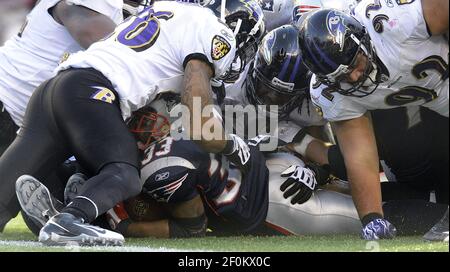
[118,218]
[238,153]
[301,182]
[377,229]
[322,173]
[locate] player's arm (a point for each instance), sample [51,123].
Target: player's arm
[85,25]
[309,144]
[436,16]
[182,220]
[197,92]
[357,143]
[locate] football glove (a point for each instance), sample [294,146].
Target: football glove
[118,218]
[301,182]
[322,173]
[378,228]
[238,153]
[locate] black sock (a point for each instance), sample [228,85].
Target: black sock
[82,208]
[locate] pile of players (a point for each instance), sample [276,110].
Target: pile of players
[380,82]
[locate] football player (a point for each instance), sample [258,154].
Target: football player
[81,111]
[265,84]
[277,76]
[196,188]
[389,55]
[53,30]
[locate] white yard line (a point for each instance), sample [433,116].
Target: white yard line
[37,245]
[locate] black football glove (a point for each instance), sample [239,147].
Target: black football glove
[321,172]
[238,153]
[301,182]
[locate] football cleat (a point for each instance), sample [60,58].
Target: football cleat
[65,229]
[439,232]
[36,200]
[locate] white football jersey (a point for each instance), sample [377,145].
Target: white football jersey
[29,58]
[416,61]
[146,56]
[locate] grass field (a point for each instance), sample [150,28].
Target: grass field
[17,238]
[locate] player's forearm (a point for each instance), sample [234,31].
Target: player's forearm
[357,143]
[84,25]
[156,229]
[365,190]
[317,151]
[197,96]
[436,15]
[86,36]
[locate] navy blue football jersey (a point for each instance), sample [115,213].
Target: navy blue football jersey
[178,171]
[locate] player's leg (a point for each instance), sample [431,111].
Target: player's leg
[439,127]
[8,129]
[325,213]
[86,109]
[330,212]
[439,232]
[100,140]
[412,216]
[35,151]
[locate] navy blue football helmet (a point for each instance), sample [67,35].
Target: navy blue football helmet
[331,41]
[132,7]
[246,19]
[279,76]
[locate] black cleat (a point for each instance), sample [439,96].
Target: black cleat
[36,200]
[439,232]
[65,229]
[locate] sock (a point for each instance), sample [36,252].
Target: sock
[82,207]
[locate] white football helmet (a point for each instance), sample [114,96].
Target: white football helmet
[303,6]
[277,12]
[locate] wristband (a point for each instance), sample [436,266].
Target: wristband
[370,217]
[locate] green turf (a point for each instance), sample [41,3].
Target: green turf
[16,230]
